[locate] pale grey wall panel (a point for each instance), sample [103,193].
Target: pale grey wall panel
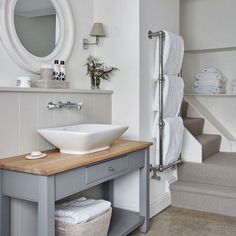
[9,124]
[61,116]
[76,117]
[102,106]
[45,118]
[28,122]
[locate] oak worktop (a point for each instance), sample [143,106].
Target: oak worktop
[57,162]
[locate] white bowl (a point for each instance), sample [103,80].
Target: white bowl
[84,138]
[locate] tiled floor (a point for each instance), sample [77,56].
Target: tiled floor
[181,222]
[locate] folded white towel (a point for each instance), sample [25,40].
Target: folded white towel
[81,210]
[209,90]
[172,55]
[172,139]
[207,75]
[209,82]
[172,96]
[210,69]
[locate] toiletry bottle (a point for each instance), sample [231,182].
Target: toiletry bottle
[62,71]
[56,70]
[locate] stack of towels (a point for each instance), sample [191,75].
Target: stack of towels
[80,210]
[209,81]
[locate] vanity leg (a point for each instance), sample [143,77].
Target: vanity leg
[144,193]
[46,206]
[108,190]
[4,212]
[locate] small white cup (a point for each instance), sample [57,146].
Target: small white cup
[23,82]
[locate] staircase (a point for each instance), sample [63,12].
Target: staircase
[209,186]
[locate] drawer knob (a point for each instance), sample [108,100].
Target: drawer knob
[111,169]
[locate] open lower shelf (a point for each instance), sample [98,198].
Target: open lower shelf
[124,222]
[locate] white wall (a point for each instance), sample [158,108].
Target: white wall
[121,49]
[208,23]
[223,109]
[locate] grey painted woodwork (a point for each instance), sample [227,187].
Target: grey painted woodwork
[4,212]
[45,190]
[144,193]
[124,222]
[106,169]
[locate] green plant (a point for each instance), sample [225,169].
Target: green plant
[97,70]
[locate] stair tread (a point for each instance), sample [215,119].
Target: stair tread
[217,169]
[205,189]
[207,137]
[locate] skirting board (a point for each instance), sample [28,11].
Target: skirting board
[160,204]
[127,207]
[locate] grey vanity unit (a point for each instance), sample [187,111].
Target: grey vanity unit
[58,176]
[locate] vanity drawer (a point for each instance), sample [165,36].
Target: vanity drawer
[106,169]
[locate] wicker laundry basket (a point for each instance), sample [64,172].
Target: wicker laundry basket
[96,227]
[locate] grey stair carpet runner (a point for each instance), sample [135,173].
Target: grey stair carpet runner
[211,185]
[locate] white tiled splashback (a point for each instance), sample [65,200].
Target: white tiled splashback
[22,113]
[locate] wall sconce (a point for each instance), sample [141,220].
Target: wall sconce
[97,31]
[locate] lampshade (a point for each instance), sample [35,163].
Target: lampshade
[98,30]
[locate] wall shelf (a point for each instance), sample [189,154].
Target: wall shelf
[211,50]
[210,95]
[44,90]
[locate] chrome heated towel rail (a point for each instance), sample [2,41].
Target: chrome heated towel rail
[161,167]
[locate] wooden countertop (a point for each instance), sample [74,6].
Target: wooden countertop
[57,162]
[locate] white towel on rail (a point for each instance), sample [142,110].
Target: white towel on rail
[173,53]
[172,140]
[81,210]
[172,96]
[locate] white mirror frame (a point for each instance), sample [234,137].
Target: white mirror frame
[16,50]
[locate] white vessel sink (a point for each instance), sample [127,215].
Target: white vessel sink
[84,138]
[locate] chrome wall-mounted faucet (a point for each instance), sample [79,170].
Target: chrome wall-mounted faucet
[68,105]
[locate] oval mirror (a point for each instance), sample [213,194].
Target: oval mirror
[37,26]
[35,32]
